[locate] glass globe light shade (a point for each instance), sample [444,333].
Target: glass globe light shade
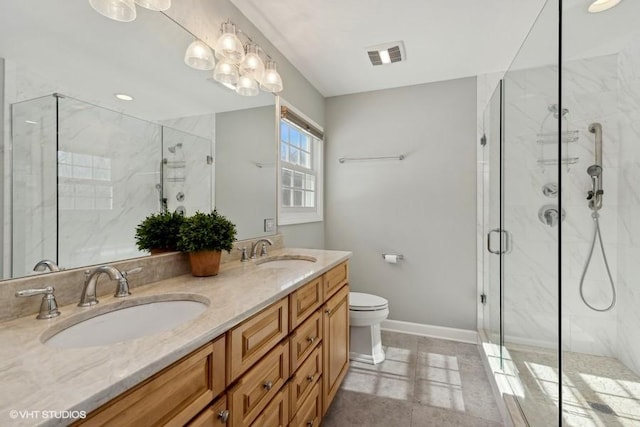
[229,46]
[118,10]
[271,81]
[226,73]
[199,56]
[247,86]
[252,65]
[157,5]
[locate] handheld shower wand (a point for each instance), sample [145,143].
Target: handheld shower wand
[594,196]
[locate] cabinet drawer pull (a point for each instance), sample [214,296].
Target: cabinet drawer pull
[268,385]
[310,423]
[223,416]
[311,339]
[328,311]
[310,378]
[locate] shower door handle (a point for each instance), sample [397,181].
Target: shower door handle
[506,240]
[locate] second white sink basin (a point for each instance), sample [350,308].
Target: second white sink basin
[139,318]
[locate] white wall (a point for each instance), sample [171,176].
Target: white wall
[422,207]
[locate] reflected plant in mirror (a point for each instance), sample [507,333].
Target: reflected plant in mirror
[158,233]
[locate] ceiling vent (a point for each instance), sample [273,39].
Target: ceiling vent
[387,53]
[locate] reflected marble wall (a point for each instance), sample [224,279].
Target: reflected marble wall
[108,169]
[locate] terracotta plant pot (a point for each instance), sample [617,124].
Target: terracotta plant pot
[204,263]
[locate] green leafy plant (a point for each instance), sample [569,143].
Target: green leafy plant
[159,231]
[206,232]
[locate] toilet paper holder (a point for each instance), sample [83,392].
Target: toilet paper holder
[398,256]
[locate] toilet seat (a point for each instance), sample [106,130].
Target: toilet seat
[366,302]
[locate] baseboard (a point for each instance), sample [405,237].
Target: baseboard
[453,334]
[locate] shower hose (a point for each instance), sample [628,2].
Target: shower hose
[596,235]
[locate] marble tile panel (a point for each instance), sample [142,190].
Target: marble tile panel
[359,409]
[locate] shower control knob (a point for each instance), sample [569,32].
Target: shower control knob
[590,195]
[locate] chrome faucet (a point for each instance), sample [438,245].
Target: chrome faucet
[88,297]
[263,251]
[46,264]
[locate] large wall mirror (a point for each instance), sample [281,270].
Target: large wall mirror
[87,167]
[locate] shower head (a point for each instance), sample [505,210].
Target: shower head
[173,148]
[594,171]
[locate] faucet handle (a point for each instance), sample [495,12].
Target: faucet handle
[243,257]
[48,307]
[263,250]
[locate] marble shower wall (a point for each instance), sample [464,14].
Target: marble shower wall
[629,207]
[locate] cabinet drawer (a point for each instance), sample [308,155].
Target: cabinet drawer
[305,301]
[276,414]
[172,397]
[304,379]
[259,385]
[310,412]
[253,338]
[305,339]
[215,415]
[335,278]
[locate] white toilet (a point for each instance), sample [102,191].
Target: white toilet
[366,312]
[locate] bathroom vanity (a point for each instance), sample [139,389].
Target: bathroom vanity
[271,349]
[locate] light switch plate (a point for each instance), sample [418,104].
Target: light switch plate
[269,225]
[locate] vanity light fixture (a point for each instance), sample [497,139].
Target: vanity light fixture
[252,65]
[247,86]
[124,97]
[156,5]
[226,73]
[199,56]
[271,82]
[118,10]
[602,5]
[229,46]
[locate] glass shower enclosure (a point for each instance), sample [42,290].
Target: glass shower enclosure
[560,222]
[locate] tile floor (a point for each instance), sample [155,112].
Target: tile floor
[422,382]
[597,391]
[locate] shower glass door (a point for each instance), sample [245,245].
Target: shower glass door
[531,217]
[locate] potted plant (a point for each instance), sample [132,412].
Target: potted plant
[158,232]
[204,237]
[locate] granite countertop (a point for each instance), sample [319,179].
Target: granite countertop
[36,377]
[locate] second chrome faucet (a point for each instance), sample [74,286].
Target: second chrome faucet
[88,297]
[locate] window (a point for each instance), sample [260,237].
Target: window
[300,180]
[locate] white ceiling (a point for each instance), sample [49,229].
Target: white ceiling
[326,39]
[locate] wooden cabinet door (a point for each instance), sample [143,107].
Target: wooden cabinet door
[335,344]
[254,337]
[171,397]
[255,389]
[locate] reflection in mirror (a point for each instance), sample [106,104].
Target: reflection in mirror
[88,167]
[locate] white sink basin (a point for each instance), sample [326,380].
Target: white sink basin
[128,320]
[286,261]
